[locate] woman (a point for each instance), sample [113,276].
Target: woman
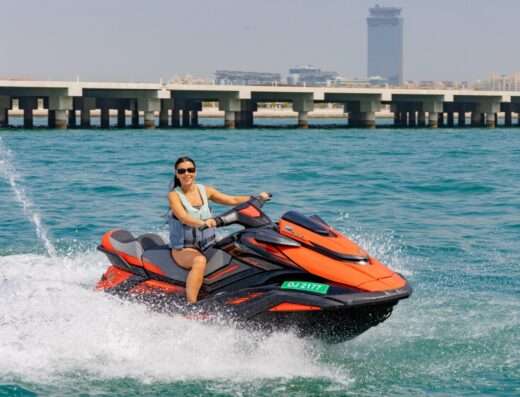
[189,211]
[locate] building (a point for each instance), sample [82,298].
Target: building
[385,44]
[310,76]
[228,77]
[500,82]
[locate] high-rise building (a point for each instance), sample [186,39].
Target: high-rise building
[385,44]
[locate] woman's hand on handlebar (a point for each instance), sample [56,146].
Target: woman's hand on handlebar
[211,222]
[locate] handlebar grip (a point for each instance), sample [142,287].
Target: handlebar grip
[259,198]
[218,221]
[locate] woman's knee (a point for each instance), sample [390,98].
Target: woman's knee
[199,263]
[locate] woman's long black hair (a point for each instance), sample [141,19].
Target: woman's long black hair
[175,182]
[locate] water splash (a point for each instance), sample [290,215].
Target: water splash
[8,171]
[53,326]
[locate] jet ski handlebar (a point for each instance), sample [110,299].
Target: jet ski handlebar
[234,215]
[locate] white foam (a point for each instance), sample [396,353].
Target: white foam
[382,246]
[52,324]
[8,171]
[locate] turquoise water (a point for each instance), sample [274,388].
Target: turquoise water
[442,207]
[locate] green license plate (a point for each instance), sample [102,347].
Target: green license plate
[306,286]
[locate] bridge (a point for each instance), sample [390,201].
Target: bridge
[70,104]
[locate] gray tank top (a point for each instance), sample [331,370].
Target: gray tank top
[184,236]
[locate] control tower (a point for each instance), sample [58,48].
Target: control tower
[385,44]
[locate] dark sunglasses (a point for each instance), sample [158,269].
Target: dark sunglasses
[182,171]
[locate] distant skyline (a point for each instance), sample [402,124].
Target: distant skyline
[145,41]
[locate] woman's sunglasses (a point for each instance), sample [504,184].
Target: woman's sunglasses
[182,171]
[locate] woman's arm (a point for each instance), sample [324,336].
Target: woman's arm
[221,198]
[179,211]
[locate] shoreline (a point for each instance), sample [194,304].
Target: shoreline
[215,113]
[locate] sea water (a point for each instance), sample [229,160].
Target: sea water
[442,207]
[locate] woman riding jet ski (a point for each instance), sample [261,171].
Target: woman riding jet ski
[296,273]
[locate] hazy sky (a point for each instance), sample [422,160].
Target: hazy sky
[148,40]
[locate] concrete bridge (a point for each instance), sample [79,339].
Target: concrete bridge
[69,104]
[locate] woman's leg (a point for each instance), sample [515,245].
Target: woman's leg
[193,260]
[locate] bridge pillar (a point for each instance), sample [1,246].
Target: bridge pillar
[230,104]
[451,120]
[72,118]
[5,104]
[362,119]
[27,104]
[51,119]
[433,119]
[105,117]
[135,115]
[421,119]
[85,118]
[508,120]
[462,118]
[61,118]
[149,119]
[166,104]
[411,119]
[4,117]
[440,120]
[135,118]
[58,108]
[400,117]
[87,104]
[194,107]
[149,106]
[121,116]
[229,119]
[303,104]
[185,118]
[244,117]
[57,119]
[194,120]
[476,118]
[397,118]
[303,121]
[175,118]
[490,120]
[361,113]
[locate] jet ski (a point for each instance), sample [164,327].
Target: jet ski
[296,273]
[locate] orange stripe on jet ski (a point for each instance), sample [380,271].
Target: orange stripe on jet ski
[337,242]
[293,307]
[153,268]
[243,299]
[220,273]
[250,211]
[151,286]
[363,277]
[105,240]
[112,277]
[105,243]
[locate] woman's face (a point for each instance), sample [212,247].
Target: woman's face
[186,173]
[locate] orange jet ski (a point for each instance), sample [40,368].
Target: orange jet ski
[297,273]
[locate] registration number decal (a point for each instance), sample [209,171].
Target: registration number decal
[306,286]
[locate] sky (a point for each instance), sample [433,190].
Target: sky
[128,40]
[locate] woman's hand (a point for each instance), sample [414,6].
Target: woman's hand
[210,222]
[264,196]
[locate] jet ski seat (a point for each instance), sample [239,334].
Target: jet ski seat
[122,241]
[151,241]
